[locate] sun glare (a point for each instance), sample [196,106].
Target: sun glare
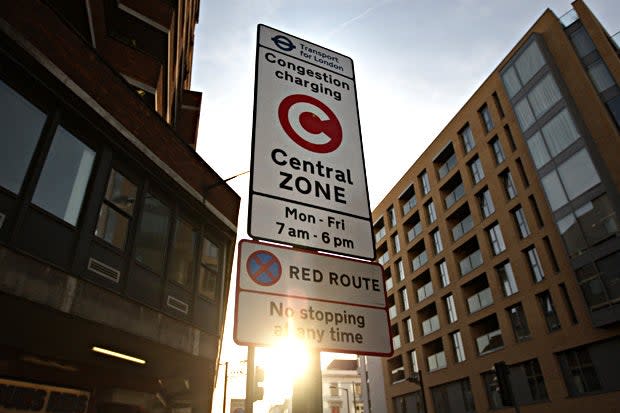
[283,364]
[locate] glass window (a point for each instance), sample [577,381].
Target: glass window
[451,308]
[409,329]
[599,217]
[116,210]
[437,241]
[486,203]
[535,380]
[496,238]
[554,191]
[477,172]
[468,138]
[507,278]
[560,132]
[401,270]
[600,76]
[519,322]
[509,184]
[535,266]
[614,108]
[404,298]
[485,115]
[432,213]
[548,309]
[524,113]
[64,178]
[457,342]
[579,371]
[21,127]
[152,234]
[543,96]
[582,42]
[396,243]
[392,215]
[511,81]
[530,61]
[426,185]
[209,269]
[443,271]
[498,150]
[538,150]
[183,253]
[521,221]
[578,174]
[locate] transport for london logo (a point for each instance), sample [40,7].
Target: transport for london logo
[283,43]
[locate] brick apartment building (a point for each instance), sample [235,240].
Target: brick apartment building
[501,242]
[114,234]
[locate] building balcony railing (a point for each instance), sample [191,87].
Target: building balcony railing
[455,195]
[437,361]
[389,284]
[396,342]
[398,374]
[447,166]
[480,300]
[384,258]
[380,234]
[419,260]
[409,205]
[430,325]
[471,262]
[392,312]
[425,291]
[462,227]
[490,342]
[414,232]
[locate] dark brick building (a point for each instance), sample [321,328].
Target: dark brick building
[114,234]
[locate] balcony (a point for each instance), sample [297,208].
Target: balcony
[419,260]
[392,312]
[456,194]
[384,258]
[396,342]
[437,361]
[414,231]
[389,284]
[447,166]
[425,291]
[490,342]
[480,300]
[430,325]
[409,205]
[462,227]
[380,234]
[471,262]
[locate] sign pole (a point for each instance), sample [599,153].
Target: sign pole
[249,382]
[308,389]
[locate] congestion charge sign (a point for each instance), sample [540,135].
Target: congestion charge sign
[330,303]
[308,183]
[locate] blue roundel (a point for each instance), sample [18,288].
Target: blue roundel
[283,43]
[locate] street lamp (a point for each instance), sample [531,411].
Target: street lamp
[347,390]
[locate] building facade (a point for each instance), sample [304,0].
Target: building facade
[342,389]
[116,238]
[501,242]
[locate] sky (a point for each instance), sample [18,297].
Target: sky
[416,64]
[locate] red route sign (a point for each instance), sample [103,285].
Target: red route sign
[264,268]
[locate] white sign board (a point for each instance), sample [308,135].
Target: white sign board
[331,303]
[308,184]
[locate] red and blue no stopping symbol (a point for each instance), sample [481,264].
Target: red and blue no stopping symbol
[264,268]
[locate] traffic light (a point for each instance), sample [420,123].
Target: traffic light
[502,373]
[259,377]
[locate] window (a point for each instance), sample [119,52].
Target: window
[408,200]
[432,213]
[425,291]
[538,101]
[467,137]
[116,210]
[548,309]
[600,281]
[437,361]
[430,325]
[464,226]
[413,359]
[437,241]
[507,278]
[519,322]
[397,369]
[453,397]
[379,229]
[152,235]
[486,203]
[496,145]
[521,222]
[426,185]
[396,243]
[21,123]
[582,42]
[579,372]
[580,172]
[182,253]
[451,308]
[600,76]
[530,61]
[401,269]
[509,185]
[457,342]
[443,271]
[614,108]
[395,337]
[535,380]
[65,175]
[419,260]
[535,266]
[477,172]
[404,298]
[496,238]
[392,215]
[409,329]
[485,115]
[470,262]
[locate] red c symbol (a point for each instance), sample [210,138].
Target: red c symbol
[311,123]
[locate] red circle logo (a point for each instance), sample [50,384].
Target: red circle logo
[264,268]
[311,123]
